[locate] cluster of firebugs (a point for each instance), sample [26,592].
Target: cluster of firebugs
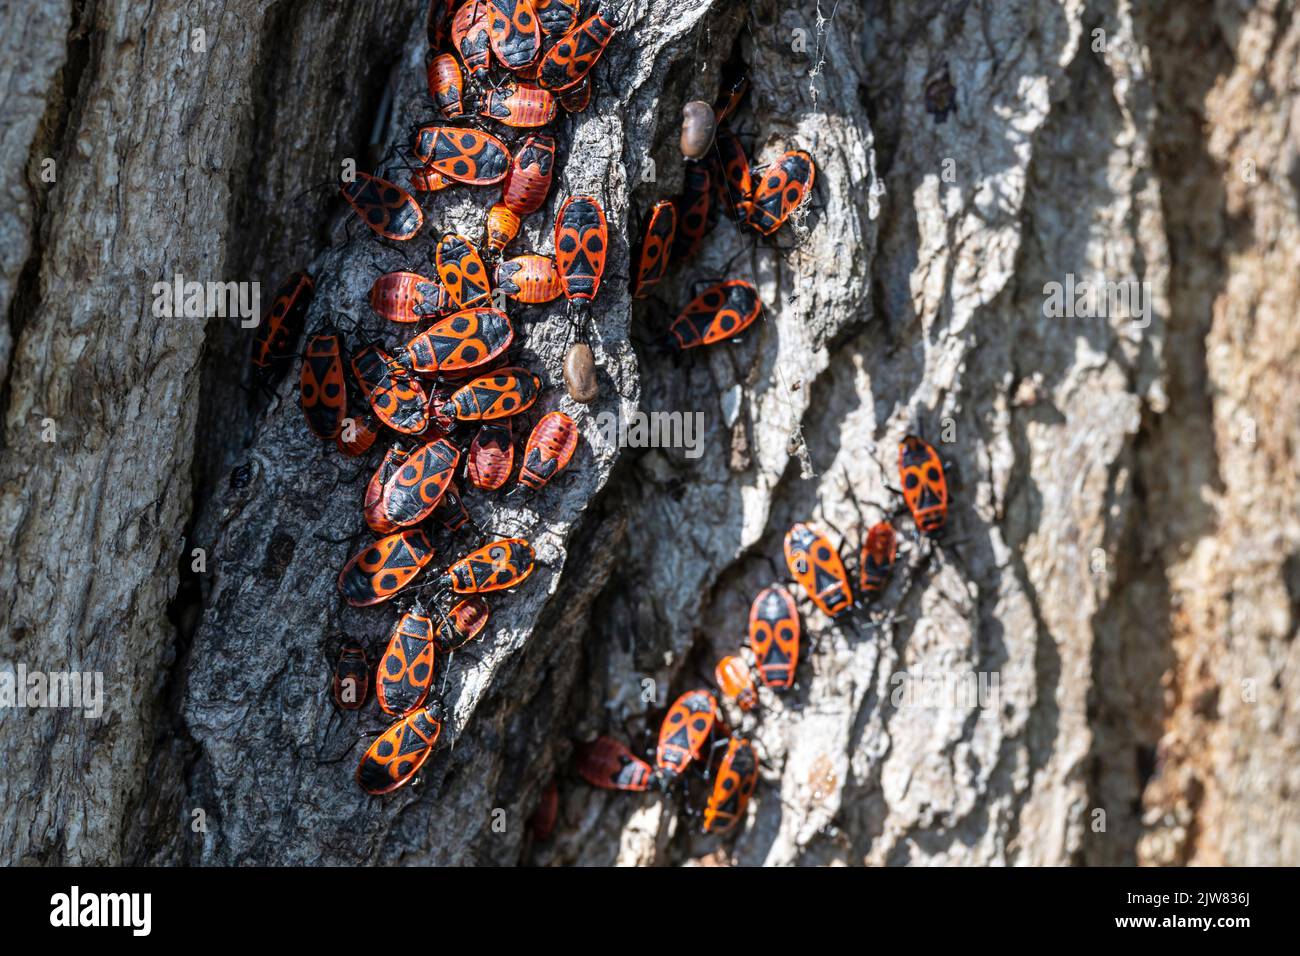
[516,62]
[694,732]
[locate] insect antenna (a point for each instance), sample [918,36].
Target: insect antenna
[360,735]
[844,538]
[446,673]
[311,189]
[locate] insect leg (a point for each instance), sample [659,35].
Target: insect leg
[349,539]
[361,735]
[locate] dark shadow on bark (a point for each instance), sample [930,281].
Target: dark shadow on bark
[1174,453]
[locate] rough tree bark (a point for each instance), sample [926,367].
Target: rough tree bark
[1126,516]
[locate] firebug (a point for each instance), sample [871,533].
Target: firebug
[549,450]
[581,242]
[493,567]
[817,566]
[732,784]
[388,209]
[395,757]
[718,313]
[774,636]
[405,671]
[322,387]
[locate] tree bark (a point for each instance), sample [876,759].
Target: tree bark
[1120,570]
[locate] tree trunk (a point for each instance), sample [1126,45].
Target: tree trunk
[1120,578]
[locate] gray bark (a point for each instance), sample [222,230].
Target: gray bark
[1126,512]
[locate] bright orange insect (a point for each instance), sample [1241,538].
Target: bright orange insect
[469,35]
[581,242]
[549,450]
[502,227]
[282,323]
[322,388]
[394,394]
[734,781]
[520,105]
[447,86]
[360,428]
[655,249]
[465,155]
[408,297]
[372,507]
[925,487]
[782,189]
[388,209]
[529,179]
[531,279]
[493,567]
[774,636]
[461,342]
[718,313]
[733,679]
[461,271]
[686,729]
[417,484]
[879,549]
[567,63]
[499,394]
[464,623]
[556,17]
[735,185]
[394,758]
[379,571]
[405,672]
[514,32]
[491,456]
[608,764]
[816,565]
